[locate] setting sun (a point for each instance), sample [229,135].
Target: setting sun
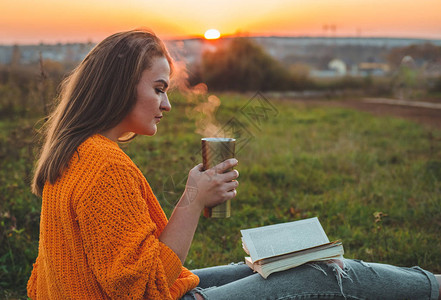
[212,34]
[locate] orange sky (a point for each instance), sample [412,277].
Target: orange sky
[51,21]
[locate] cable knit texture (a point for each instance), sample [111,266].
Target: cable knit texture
[99,233]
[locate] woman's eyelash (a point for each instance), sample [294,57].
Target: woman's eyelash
[160,91]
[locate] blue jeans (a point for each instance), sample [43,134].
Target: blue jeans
[356,280]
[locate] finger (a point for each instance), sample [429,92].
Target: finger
[230,175]
[232,185]
[225,165]
[230,195]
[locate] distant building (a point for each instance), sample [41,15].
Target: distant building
[323,73]
[373,69]
[338,66]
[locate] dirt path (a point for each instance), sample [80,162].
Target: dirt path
[427,114]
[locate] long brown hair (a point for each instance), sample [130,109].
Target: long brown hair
[96,97]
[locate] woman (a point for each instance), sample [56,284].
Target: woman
[103,234]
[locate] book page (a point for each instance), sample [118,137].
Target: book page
[273,240]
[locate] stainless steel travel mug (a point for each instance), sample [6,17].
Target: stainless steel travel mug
[215,151]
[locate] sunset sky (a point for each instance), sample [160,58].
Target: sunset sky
[52,21]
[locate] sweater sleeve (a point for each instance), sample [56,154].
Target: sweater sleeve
[32,282]
[119,239]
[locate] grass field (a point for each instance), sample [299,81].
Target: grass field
[373,182]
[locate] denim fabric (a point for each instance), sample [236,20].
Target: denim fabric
[357,280]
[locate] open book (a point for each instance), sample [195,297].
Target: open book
[283,246]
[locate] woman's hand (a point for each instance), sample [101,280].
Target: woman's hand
[204,189]
[211,187]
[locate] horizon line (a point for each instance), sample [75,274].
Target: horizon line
[229,36]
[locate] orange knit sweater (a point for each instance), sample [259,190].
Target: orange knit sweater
[99,230]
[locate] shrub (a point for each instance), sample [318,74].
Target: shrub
[243,66]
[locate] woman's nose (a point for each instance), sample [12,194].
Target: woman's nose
[165,104]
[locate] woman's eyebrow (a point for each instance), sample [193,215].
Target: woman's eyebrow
[163,82]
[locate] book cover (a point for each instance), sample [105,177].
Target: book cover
[283,246]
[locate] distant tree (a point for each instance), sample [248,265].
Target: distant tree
[16,56]
[242,65]
[436,85]
[423,53]
[408,63]
[55,68]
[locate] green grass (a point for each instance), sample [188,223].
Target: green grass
[374,183]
